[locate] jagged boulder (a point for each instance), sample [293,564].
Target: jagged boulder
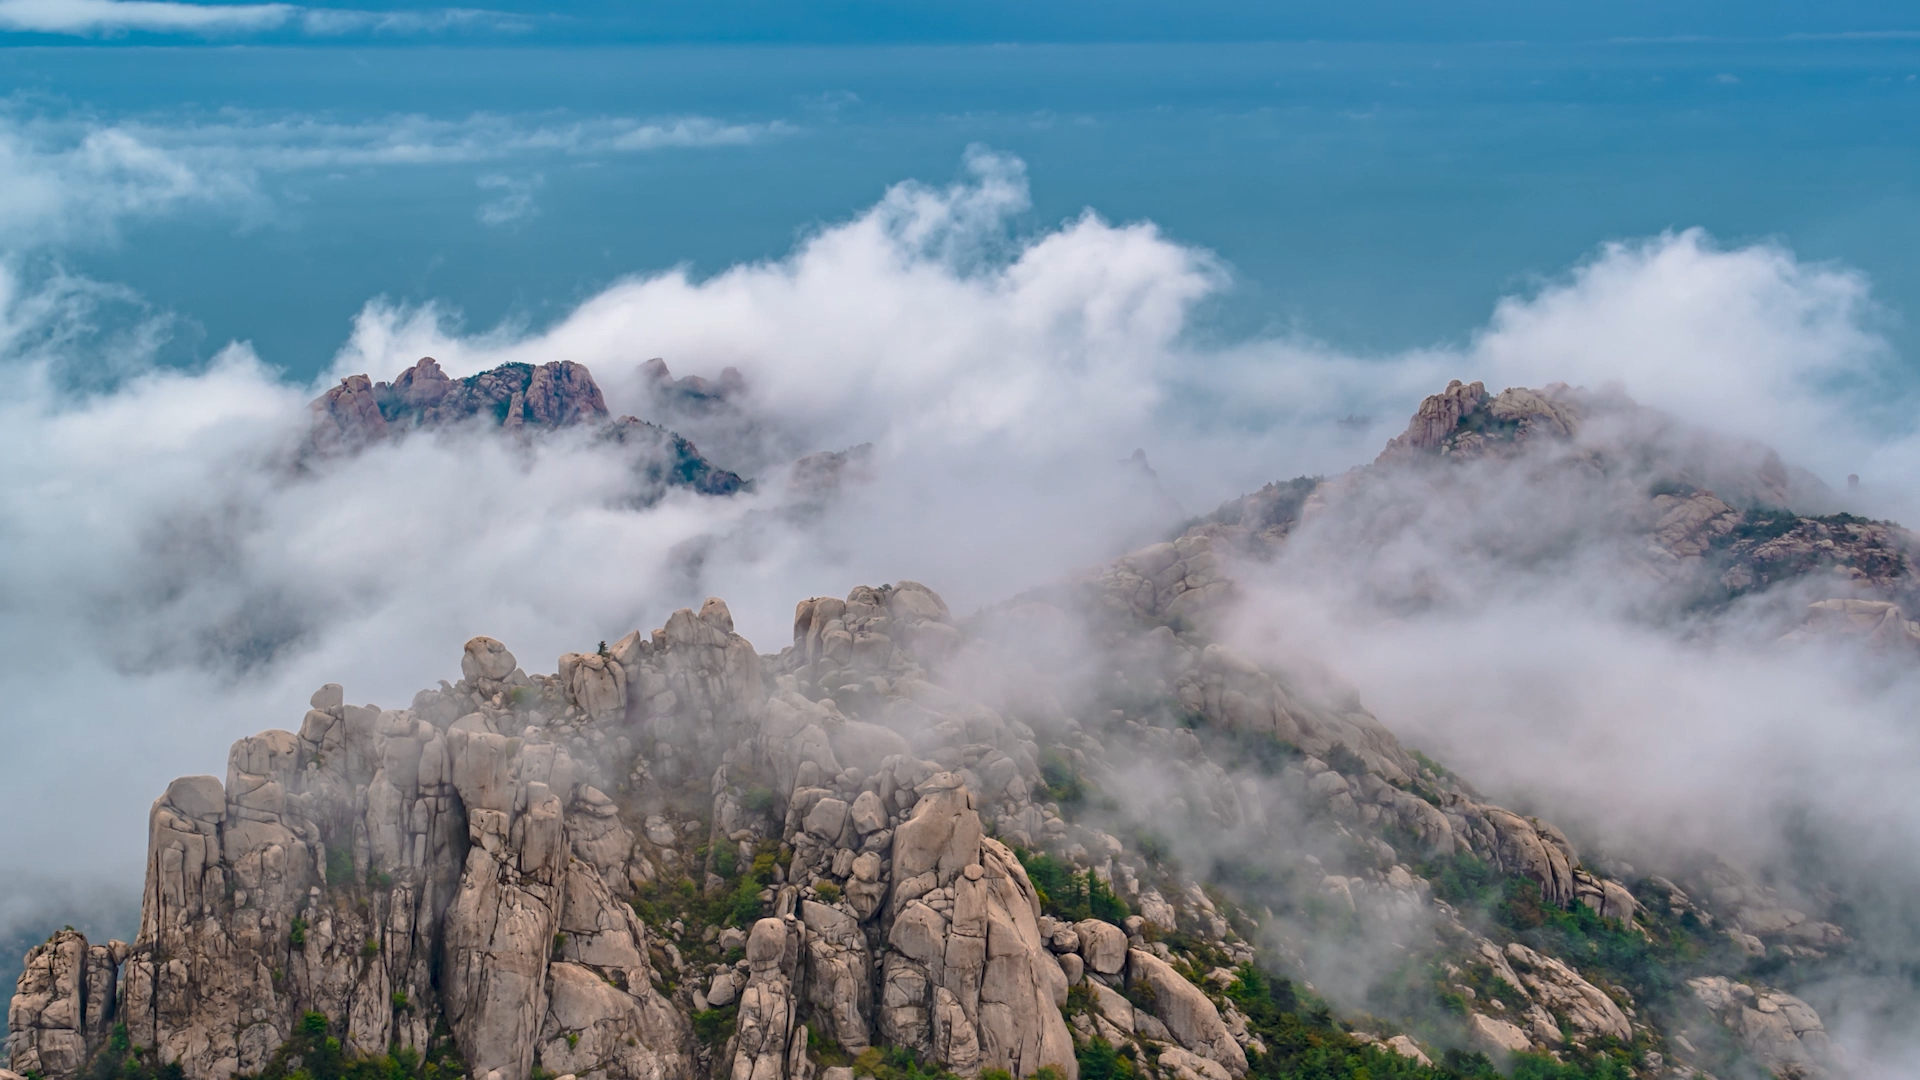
[596,683]
[764,1037]
[47,1021]
[1103,946]
[486,660]
[696,687]
[1563,993]
[1187,1012]
[1783,1033]
[1497,1037]
[516,397]
[969,979]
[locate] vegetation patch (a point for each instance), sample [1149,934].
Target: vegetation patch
[899,1063]
[1100,1061]
[1070,894]
[314,1054]
[738,904]
[715,1026]
[825,1049]
[1059,781]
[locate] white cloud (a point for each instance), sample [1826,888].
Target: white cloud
[333,22]
[71,179]
[515,201]
[693,131]
[893,325]
[94,17]
[97,18]
[84,185]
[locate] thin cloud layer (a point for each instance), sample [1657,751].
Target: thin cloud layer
[68,179]
[108,18]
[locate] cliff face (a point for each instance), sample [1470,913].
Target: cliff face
[903,844]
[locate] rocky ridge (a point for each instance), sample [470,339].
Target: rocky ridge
[517,398]
[1711,521]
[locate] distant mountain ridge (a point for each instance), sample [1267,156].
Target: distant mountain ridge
[515,397]
[1716,519]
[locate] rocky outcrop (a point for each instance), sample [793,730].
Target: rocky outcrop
[1437,419]
[765,1039]
[817,477]
[514,397]
[1181,580]
[693,687]
[65,1001]
[1782,1033]
[691,393]
[1407,1048]
[1877,623]
[1464,421]
[1687,526]
[1189,1016]
[1561,995]
[1496,1037]
[1261,519]
[551,395]
[1233,692]
[968,980]
[662,458]
[462,861]
[1855,559]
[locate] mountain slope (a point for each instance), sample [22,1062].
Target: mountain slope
[1077,831]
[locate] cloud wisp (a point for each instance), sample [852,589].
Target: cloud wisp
[111,18]
[73,179]
[514,201]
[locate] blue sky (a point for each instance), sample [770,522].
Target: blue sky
[1374,174]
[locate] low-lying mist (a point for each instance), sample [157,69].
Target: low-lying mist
[174,573]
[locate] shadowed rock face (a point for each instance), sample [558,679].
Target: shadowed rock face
[691,393]
[664,458]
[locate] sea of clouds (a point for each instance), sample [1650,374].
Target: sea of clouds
[174,574]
